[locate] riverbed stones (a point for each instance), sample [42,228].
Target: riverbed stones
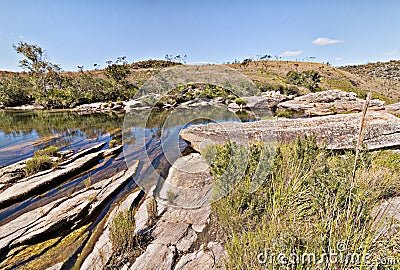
[333,131]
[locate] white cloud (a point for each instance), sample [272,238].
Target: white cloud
[338,59]
[322,41]
[392,52]
[290,53]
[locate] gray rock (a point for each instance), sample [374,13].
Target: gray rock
[176,230]
[393,108]
[197,218]
[102,250]
[329,102]
[26,187]
[189,181]
[65,213]
[142,216]
[387,220]
[334,131]
[156,256]
[209,257]
[28,107]
[234,107]
[57,266]
[265,101]
[186,242]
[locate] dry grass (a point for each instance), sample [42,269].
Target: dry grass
[307,204]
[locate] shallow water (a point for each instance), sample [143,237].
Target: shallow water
[23,132]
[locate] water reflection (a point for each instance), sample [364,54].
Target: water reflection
[23,132]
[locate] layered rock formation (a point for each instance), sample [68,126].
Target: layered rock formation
[335,131]
[329,102]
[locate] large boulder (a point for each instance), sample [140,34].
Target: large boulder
[334,131]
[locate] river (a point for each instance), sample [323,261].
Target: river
[24,132]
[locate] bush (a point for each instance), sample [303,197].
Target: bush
[112,143]
[50,151]
[38,164]
[122,230]
[286,114]
[240,102]
[308,79]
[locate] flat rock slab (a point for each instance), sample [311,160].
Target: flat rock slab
[63,214]
[44,180]
[329,102]
[334,131]
[207,257]
[393,109]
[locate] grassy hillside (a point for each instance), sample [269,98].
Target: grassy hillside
[68,89]
[274,72]
[385,76]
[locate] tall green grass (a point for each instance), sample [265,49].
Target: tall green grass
[307,204]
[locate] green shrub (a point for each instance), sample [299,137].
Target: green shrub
[38,164]
[240,102]
[286,114]
[112,143]
[50,151]
[308,79]
[122,230]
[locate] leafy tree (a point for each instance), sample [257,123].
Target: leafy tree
[118,73]
[43,74]
[309,79]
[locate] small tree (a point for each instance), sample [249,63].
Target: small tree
[118,73]
[44,75]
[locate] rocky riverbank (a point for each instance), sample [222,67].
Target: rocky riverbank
[334,131]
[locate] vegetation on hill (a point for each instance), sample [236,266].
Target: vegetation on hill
[384,70]
[271,74]
[44,83]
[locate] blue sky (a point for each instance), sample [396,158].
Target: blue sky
[86,32]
